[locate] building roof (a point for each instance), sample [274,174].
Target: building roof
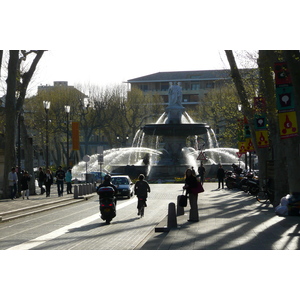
[183,76]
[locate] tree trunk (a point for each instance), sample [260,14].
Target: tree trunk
[10,119]
[280,177]
[1,56]
[292,144]
[28,153]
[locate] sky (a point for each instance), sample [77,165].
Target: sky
[58,64]
[109,42]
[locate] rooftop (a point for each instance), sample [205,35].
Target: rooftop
[183,76]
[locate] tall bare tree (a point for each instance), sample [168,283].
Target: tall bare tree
[17,84]
[285,152]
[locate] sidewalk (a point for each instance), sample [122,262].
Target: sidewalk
[229,219]
[12,209]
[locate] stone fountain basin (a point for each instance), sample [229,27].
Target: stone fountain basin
[183,129]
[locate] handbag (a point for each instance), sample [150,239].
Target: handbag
[182,201]
[198,189]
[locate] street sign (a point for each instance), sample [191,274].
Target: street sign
[86,158]
[201,156]
[239,154]
[100,158]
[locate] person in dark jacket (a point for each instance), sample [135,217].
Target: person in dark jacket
[107,182]
[60,177]
[221,176]
[141,189]
[191,182]
[24,184]
[48,182]
[41,180]
[201,171]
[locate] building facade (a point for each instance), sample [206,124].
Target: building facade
[195,84]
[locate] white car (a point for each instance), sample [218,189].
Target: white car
[124,185]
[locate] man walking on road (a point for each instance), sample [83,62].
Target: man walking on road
[221,175]
[60,177]
[12,181]
[41,180]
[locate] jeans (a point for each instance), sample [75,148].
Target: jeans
[221,181]
[60,187]
[69,187]
[13,191]
[41,187]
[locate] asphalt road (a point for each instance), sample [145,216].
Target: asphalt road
[79,226]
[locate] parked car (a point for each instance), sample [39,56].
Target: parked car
[124,185]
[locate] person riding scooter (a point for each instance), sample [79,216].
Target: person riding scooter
[107,182]
[107,199]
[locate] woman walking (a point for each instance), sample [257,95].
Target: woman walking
[69,181]
[141,189]
[191,182]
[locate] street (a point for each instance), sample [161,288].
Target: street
[79,226]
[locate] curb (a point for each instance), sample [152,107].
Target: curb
[26,211]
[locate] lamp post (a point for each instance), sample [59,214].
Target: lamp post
[123,142]
[67,110]
[47,107]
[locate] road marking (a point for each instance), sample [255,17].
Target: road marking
[56,233]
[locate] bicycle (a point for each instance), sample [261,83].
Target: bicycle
[266,194]
[262,196]
[141,206]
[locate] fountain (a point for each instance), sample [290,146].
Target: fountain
[175,143]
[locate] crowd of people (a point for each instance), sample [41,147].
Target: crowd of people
[45,180]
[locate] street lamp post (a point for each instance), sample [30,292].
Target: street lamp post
[67,110]
[47,107]
[123,142]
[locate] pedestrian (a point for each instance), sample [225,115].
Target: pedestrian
[191,182]
[69,181]
[201,172]
[12,182]
[60,177]
[25,184]
[221,176]
[141,189]
[48,182]
[41,178]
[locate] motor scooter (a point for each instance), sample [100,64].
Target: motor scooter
[252,184]
[107,204]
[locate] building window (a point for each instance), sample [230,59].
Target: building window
[164,86]
[210,85]
[195,86]
[144,87]
[194,98]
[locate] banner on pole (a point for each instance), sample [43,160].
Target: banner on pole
[75,136]
[288,124]
[249,145]
[262,138]
[242,147]
[282,74]
[285,98]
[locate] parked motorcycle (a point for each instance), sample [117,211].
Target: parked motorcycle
[252,184]
[230,180]
[233,180]
[107,203]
